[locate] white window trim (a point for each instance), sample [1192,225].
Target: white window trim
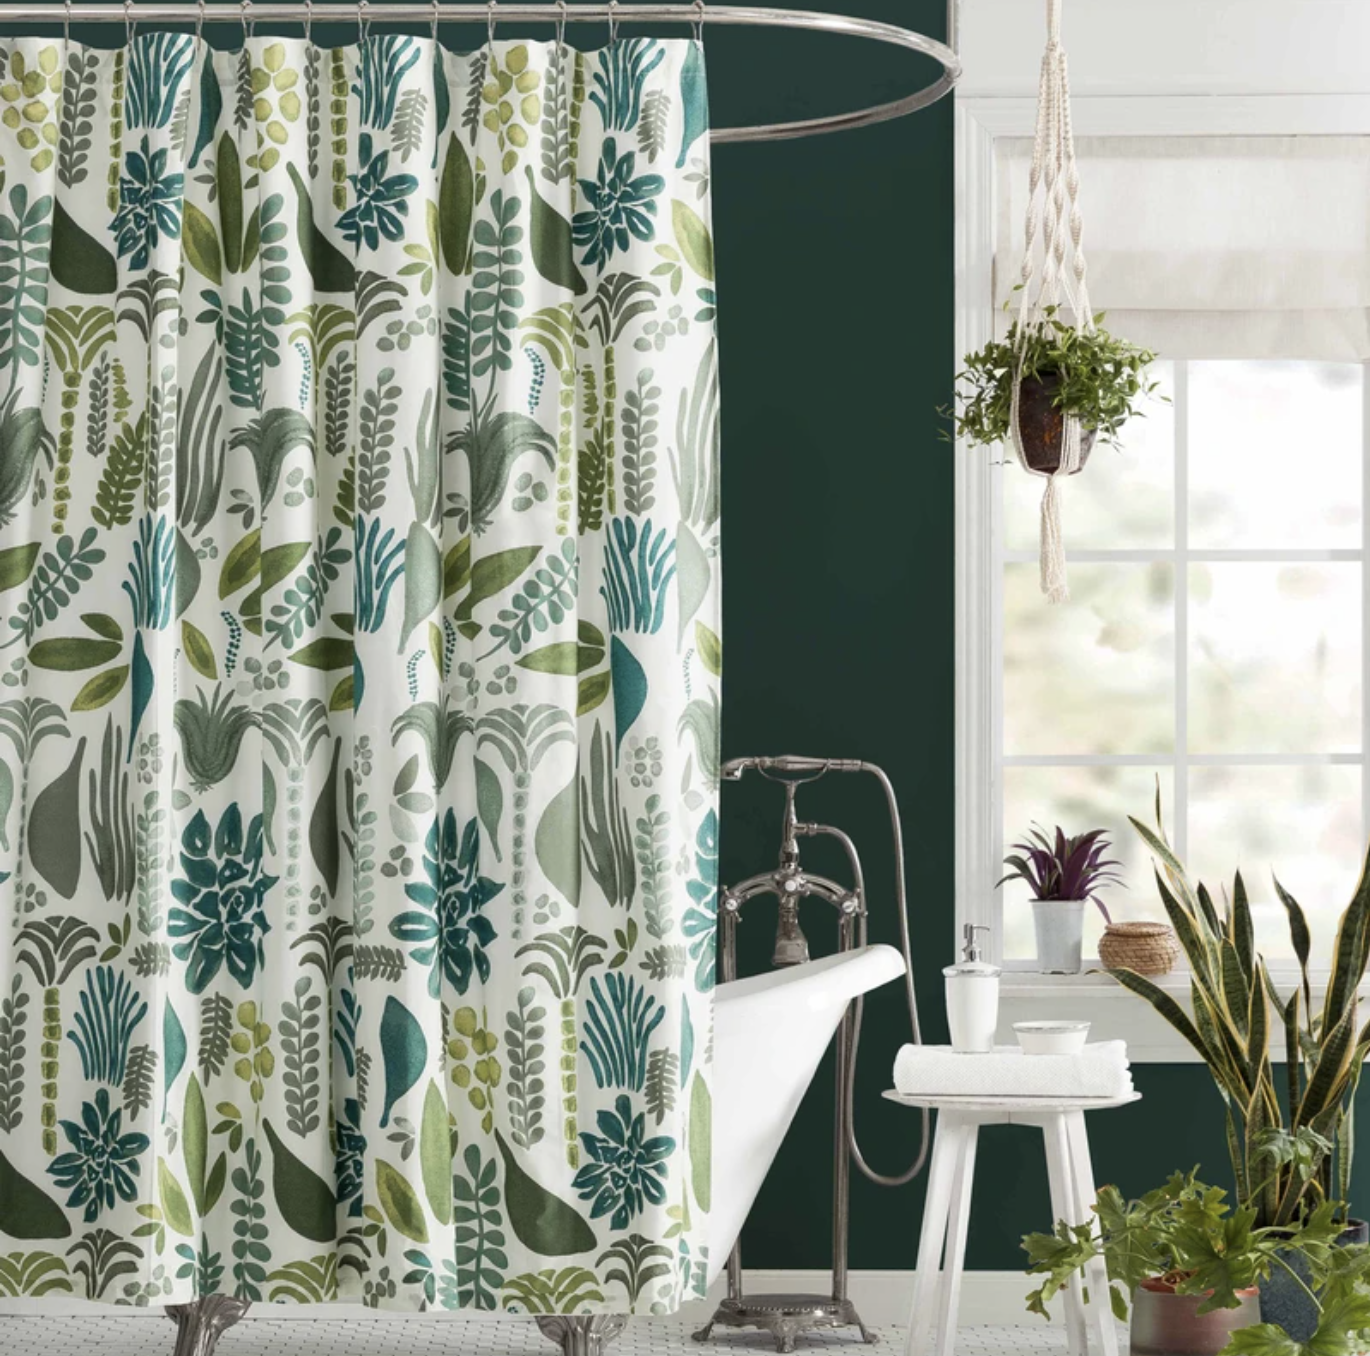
[979,122]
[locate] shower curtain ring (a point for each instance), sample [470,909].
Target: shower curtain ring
[613,23]
[699,20]
[561,25]
[66,27]
[490,20]
[433,27]
[199,24]
[130,24]
[308,20]
[249,23]
[363,20]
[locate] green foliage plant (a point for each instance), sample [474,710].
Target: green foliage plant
[1101,379]
[1290,1139]
[1185,1234]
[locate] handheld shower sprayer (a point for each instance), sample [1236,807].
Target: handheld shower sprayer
[790,883]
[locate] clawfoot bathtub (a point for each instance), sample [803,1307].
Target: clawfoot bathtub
[770,1032]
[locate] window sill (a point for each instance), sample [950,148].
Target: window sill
[1113,1012]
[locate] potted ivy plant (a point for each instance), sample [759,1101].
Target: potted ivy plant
[1190,1265]
[1058,369]
[1064,874]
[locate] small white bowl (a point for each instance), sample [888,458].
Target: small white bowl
[1051,1038]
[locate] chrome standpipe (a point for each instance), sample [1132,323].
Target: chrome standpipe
[786,1317]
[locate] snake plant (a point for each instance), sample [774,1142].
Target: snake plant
[1290,1135]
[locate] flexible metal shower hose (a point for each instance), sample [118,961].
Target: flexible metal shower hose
[786,764]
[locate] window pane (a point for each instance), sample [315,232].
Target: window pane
[1079,799]
[1123,499]
[1274,658]
[1094,676]
[1302,823]
[1275,455]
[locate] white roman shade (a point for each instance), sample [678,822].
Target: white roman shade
[1215,247]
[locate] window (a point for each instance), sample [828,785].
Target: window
[1214,642]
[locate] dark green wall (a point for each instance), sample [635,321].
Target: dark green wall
[835,275]
[836,292]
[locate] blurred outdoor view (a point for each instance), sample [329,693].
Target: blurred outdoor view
[1271,454]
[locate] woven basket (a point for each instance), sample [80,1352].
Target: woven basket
[1147,948]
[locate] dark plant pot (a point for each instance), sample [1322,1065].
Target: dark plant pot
[1286,1302]
[1041,424]
[1167,1324]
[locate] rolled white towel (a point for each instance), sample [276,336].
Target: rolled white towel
[1099,1070]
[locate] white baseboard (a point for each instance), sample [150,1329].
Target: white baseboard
[881,1298]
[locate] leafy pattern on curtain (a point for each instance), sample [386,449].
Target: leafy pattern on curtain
[359,673]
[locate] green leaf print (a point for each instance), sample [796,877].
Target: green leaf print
[360,626]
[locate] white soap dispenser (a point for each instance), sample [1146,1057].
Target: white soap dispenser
[972,997]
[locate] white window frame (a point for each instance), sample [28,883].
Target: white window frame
[979,123]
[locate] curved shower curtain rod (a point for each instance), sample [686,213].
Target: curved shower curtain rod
[150,11]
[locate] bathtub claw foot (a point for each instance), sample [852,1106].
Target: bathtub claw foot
[584,1336]
[200,1324]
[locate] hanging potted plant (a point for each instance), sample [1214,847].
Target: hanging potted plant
[1049,372]
[1064,874]
[1191,1267]
[1058,381]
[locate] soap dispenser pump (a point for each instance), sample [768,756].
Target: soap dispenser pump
[972,997]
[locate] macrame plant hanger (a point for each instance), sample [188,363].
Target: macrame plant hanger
[1053,213]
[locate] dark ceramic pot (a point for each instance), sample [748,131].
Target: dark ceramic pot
[1167,1324]
[1040,424]
[1284,1300]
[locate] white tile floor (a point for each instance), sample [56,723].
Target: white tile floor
[146,1336]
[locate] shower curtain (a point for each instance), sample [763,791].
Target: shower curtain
[359,672]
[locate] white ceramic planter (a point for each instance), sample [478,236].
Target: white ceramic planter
[1059,924]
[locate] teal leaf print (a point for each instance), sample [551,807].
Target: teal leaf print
[102,1164]
[403,1053]
[451,927]
[149,205]
[381,204]
[694,100]
[621,206]
[629,688]
[619,1021]
[700,917]
[223,889]
[626,1169]
[174,1046]
[157,65]
[109,1013]
[620,76]
[639,568]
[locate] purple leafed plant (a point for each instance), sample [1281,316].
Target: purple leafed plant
[1068,868]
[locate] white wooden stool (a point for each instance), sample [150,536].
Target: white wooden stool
[946,1212]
